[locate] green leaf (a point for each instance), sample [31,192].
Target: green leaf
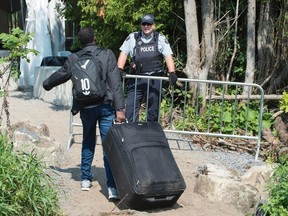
[227,117]
[266,124]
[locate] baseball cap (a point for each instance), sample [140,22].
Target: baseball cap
[148,18]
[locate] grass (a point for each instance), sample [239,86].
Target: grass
[24,185]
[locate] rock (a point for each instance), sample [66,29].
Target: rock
[284,152]
[28,138]
[42,130]
[281,129]
[268,135]
[220,185]
[258,176]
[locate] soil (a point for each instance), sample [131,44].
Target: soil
[73,201]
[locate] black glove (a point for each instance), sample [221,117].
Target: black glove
[173,78]
[132,68]
[122,73]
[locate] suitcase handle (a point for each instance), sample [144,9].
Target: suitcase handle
[117,122]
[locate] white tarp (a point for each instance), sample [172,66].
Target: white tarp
[49,36]
[56,27]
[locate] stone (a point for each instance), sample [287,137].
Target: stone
[220,185]
[258,176]
[28,138]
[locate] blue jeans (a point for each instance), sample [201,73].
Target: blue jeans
[104,115]
[132,111]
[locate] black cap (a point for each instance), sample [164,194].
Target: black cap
[148,18]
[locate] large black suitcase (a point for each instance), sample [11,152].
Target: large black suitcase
[143,166]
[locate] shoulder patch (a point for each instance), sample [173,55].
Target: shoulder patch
[128,38]
[163,38]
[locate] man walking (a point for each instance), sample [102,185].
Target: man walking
[101,110]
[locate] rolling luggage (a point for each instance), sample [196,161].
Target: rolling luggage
[143,166]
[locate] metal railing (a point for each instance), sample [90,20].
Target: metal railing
[223,111]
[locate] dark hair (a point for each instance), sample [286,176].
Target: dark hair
[86,35]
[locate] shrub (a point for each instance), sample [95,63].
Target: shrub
[24,185]
[278,190]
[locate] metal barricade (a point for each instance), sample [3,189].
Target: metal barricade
[218,110]
[72,123]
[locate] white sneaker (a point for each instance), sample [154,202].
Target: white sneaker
[86,185]
[112,193]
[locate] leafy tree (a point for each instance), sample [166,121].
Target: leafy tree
[15,43]
[216,35]
[113,20]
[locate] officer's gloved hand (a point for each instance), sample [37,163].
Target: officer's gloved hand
[173,78]
[132,68]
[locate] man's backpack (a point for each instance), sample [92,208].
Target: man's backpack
[87,77]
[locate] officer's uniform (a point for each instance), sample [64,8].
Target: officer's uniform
[147,53]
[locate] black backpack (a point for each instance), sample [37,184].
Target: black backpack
[87,77]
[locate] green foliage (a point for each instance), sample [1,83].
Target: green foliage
[24,186]
[218,116]
[240,63]
[15,43]
[278,190]
[284,102]
[113,20]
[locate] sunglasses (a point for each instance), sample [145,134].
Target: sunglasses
[146,24]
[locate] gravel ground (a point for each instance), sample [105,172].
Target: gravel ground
[240,162]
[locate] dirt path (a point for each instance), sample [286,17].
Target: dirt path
[74,202]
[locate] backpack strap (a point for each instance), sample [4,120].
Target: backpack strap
[97,51]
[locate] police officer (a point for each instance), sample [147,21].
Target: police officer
[146,50]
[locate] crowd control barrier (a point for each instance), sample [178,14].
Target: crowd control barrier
[206,108]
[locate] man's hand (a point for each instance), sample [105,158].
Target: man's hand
[120,116]
[46,85]
[173,78]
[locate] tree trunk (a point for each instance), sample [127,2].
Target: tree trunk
[235,42]
[208,45]
[275,63]
[193,46]
[208,39]
[264,43]
[192,35]
[250,62]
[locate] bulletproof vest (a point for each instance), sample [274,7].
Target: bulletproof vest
[146,55]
